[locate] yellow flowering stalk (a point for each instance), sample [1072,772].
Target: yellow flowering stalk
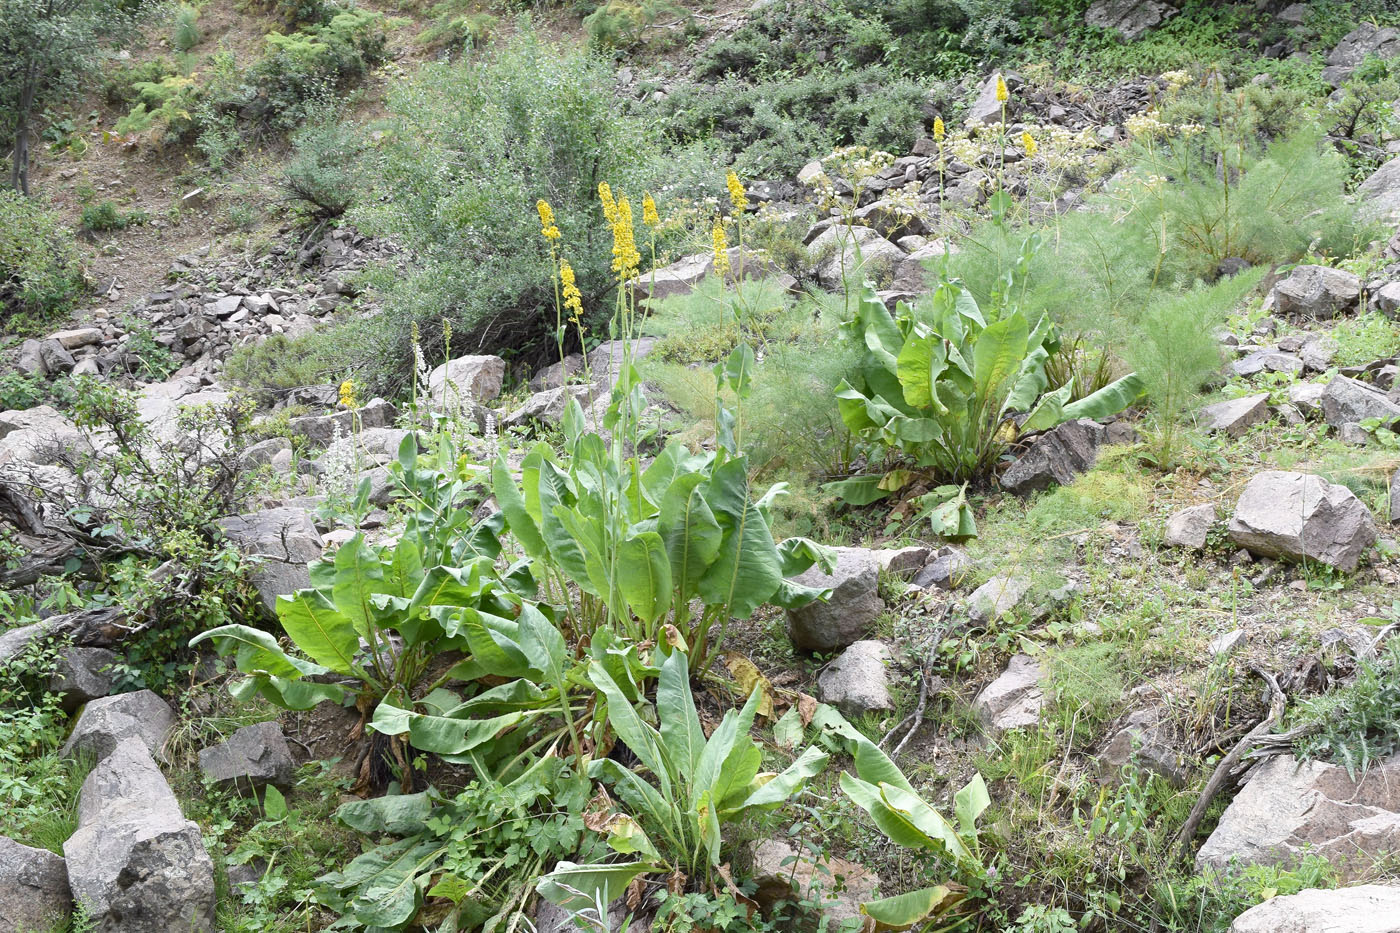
[1028,143]
[347,394]
[649,215]
[609,205]
[939,131]
[548,229]
[1003,95]
[573,300]
[626,259]
[737,196]
[721,250]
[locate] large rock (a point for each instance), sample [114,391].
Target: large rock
[1129,18]
[548,407]
[82,675]
[857,682]
[135,862]
[1237,415]
[252,758]
[1144,740]
[986,108]
[1378,197]
[784,874]
[34,892]
[1057,456]
[948,571]
[835,252]
[1190,527]
[1349,401]
[842,620]
[1317,292]
[110,721]
[285,539]
[40,435]
[1298,516]
[320,430]
[1367,908]
[1290,808]
[1355,46]
[679,278]
[1014,700]
[467,379]
[997,597]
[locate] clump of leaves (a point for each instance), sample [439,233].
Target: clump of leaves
[1358,724]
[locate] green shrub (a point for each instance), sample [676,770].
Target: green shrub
[471,147]
[120,80]
[623,23]
[1358,724]
[322,175]
[165,109]
[41,277]
[185,35]
[302,66]
[1364,339]
[105,217]
[457,24]
[775,125]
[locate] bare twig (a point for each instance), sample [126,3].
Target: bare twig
[1223,771]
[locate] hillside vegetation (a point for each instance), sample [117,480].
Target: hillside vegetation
[699,467]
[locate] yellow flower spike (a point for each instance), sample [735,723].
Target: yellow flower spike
[737,195]
[347,394]
[1028,143]
[649,215]
[548,229]
[939,131]
[573,300]
[721,250]
[626,259]
[609,205]
[1003,95]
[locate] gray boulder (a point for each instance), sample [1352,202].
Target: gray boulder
[467,378]
[1349,401]
[33,888]
[857,681]
[29,360]
[986,108]
[1355,46]
[548,407]
[1235,416]
[1189,527]
[252,758]
[1056,457]
[1014,700]
[56,359]
[1267,360]
[285,539]
[107,722]
[1290,808]
[1298,516]
[135,862]
[835,252]
[948,571]
[1317,292]
[997,597]
[1306,397]
[320,430]
[1143,740]
[782,873]
[1378,198]
[679,278]
[1129,18]
[1367,908]
[842,620]
[82,675]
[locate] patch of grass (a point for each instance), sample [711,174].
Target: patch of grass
[1364,339]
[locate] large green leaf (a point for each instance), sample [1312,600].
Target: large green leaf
[257,652]
[512,503]
[776,791]
[675,707]
[911,807]
[641,738]
[389,880]
[997,356]
[440,734]
[858,490]
[747,570]
[396,814]
[904,910]
[692,535]
[579,887]
[286,692]
[1110,400]
[319,629]
[875,767]
[969,803]
[359,577]
[732,730]
[644,575]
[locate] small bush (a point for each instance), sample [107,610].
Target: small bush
[1365,339]
[1356,725]
[40,276]
[321,176]
[185,35]
[164,109]
[105,217]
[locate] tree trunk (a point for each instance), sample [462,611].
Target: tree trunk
[19,171]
